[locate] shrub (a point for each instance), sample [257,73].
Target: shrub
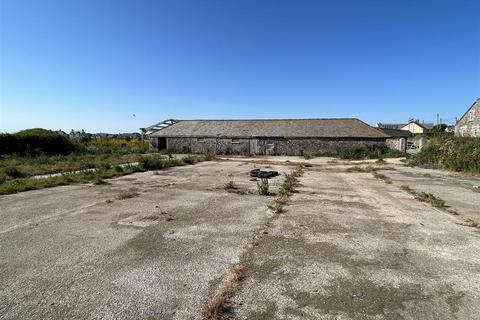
[14,172]
[451,153]
[111,146]
[156,163]
[35,142]
[368,152]
[190,159]
[439,128]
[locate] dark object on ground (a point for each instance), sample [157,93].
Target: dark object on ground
[257,173]
[254,172]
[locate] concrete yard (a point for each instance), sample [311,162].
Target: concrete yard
[156,245]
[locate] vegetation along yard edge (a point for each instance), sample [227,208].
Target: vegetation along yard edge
[146,163]
[444,151]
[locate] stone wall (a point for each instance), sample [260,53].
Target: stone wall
[209,145]
[313,146]
[399,144]
[469,125]
[153,144]
[280,146]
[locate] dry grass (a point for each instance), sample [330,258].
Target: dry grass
[230,185]
[127,194]
[225,290]
[277,205]
[468,223]
[263,187]
[383,177]
[100,181]
[286,188]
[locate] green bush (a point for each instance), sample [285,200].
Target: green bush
[34,142]
[439,128]
[14,172]
[112,146]
[156,163]
[368,152]
[452,153]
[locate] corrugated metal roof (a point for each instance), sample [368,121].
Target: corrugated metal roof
[289,128]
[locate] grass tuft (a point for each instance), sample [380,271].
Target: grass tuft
[383,177]
[425,197]
[127,194]
[263,187]
[286,188]
[468,223]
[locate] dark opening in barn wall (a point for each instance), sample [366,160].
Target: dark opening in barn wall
[162,143]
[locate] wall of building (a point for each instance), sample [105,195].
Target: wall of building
[209,145]
[469,125]
[413,128]
[313,146]
[399,144]
[280,146]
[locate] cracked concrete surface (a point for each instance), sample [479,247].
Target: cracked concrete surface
[348,246]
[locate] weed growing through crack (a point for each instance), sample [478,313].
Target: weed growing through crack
[225,290]
[361,169]
[383,177]
[263,187]
[468,223]
[286,188]
[425,197]
[381,161]
[230,185]
[127,194]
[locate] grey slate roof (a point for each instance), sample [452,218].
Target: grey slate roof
[471,107]
[399,126]
[391,125]
[288,128]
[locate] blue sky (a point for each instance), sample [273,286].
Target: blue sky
[84,64]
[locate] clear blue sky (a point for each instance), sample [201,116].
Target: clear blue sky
[92,64]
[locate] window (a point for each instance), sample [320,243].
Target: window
[200,140]
[269,147]
[235,140]
[476,131]
[471,115]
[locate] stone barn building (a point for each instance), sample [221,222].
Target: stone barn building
[469,123]
[279,137]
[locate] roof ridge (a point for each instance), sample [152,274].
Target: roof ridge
[276,119]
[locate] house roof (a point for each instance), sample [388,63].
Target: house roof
[291,128]
[399,126]
[396,133]
[424,125]
[391,125]
[471,107]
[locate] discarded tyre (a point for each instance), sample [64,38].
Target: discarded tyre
[254,173]
[267,174]
[257,173]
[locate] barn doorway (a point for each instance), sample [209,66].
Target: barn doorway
[162,143]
